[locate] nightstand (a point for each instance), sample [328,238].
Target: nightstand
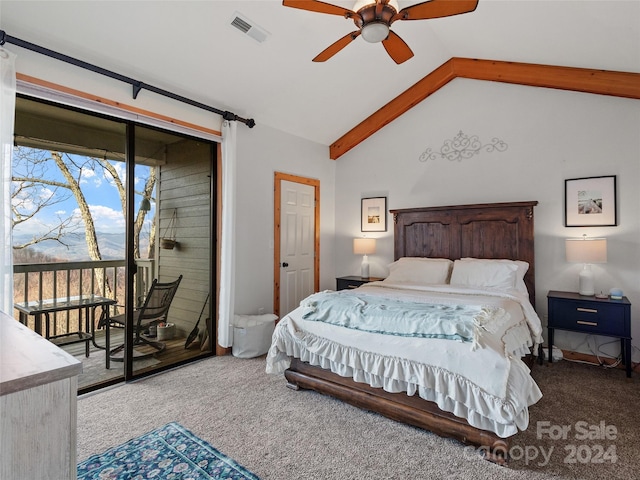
[597,316]
[343,283]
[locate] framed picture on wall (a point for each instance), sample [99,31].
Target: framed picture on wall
[374,214]
[590,202]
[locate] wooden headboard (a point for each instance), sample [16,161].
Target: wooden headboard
[490,230]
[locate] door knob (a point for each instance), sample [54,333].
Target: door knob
[285,264]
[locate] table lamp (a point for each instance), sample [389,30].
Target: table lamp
[587,251]
[364,247]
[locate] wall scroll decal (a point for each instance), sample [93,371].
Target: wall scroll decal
[462,147]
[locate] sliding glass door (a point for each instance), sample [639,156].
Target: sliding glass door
[171,243]
[104,209]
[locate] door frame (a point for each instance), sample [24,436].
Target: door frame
[278,178]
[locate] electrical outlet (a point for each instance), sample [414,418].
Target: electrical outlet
[260,311]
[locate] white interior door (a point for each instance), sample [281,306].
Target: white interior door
[297,235]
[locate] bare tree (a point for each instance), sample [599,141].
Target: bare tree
[146,193]
[28,198]
[108,166]
[73,184]
[32,173]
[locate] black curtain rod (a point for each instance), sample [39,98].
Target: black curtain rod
[136,84]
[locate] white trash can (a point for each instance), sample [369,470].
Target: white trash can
[252,334]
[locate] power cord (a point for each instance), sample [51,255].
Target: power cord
[598,353]
[618,359]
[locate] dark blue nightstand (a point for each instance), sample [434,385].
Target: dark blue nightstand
[597,316]
[343,283]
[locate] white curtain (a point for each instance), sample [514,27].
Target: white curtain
[228,260]
[7,113]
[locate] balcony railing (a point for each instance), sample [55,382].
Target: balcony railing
[44,281]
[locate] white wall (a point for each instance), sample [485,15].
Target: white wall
[552,135]
[262,151]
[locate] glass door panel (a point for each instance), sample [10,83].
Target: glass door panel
[69,227]
[172,243]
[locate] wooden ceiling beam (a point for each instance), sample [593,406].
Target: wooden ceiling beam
[392,110]
[601,82]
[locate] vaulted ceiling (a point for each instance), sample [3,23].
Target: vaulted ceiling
[191,48]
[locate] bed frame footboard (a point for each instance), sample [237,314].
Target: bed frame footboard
[411,410]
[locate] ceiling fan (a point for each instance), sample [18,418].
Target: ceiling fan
[374,18]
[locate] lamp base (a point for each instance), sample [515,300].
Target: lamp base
[587,287]
[364,268]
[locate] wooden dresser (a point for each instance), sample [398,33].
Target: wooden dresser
[38,405]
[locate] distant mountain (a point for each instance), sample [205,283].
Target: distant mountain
[112,246]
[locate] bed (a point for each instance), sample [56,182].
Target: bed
[467,379]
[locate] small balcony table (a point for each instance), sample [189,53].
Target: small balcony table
[82,302]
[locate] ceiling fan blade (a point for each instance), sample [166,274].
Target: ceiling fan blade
[319,7]
[436,9]
[335,47]
[397,48]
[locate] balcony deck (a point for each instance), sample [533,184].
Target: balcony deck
[38,282]
[94,371]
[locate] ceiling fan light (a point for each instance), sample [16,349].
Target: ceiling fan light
[375,32]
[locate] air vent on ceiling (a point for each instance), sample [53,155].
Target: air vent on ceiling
[249,28]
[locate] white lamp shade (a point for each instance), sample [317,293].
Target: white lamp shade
[587,251]
[364,246]
[375,32]
[593,250]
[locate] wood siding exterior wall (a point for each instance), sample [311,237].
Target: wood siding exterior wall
[185,186]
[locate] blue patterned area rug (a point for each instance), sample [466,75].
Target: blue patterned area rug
[170,452]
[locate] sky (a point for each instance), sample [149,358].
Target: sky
[100,193]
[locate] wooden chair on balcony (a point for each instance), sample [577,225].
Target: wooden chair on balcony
[152,312]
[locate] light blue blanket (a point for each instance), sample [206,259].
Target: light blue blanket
[376,314]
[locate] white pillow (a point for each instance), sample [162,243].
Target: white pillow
[420,271]
[484,274]
[523,267]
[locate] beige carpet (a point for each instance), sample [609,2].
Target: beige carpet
[287,435]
